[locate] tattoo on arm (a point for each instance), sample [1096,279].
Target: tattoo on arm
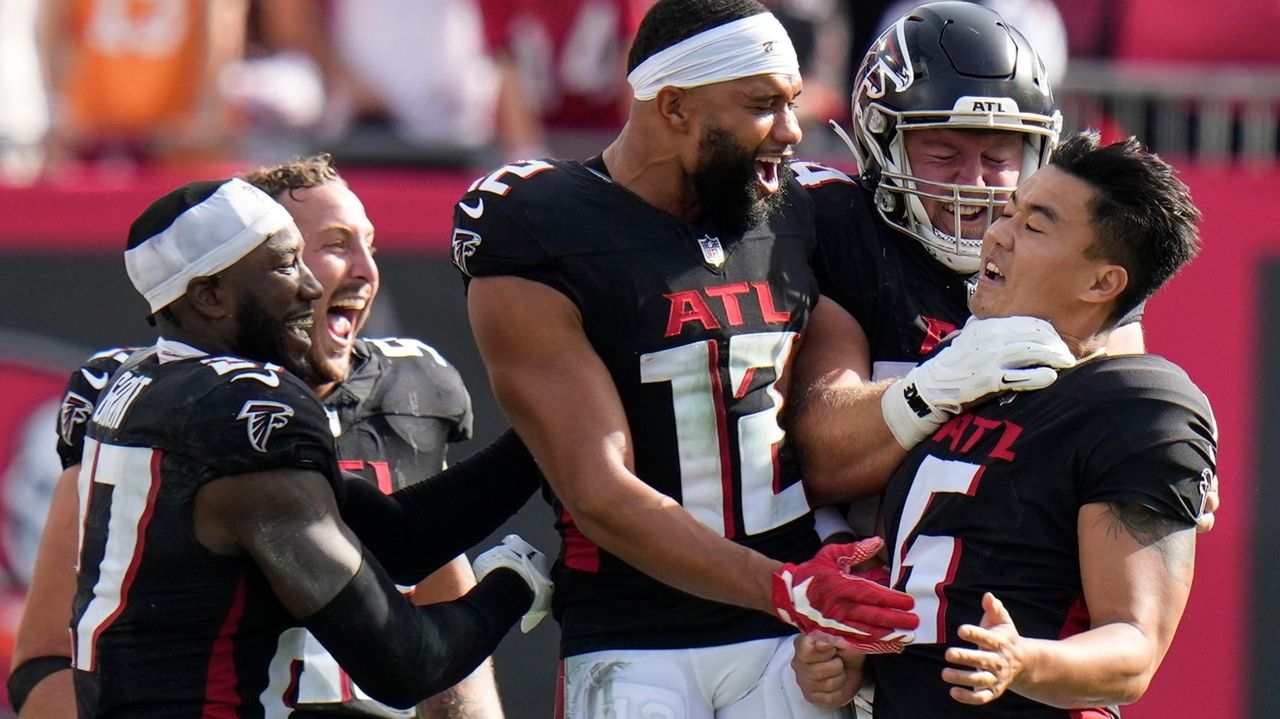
[1175,541]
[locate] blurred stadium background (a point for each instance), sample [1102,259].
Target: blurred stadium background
[415,98]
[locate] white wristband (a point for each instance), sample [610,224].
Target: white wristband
[829,521]
[909,417]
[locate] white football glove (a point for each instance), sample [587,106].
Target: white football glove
[988,356]
[522,558]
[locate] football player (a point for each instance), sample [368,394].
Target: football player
[637,314]
[939,151]
[207,542]
[394,404]
[1048,537]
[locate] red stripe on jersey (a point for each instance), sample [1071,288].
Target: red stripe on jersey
[580,553]
[344,681]
[132,572]
[220,696]
[722,433]
[559,710]
[940,588]
[1077,619]
[295,679]
[745,385]
[777,468]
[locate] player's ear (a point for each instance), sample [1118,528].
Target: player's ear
[672,104]
[1108,283]
[208,298]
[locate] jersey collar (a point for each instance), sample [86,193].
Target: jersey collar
[173,351]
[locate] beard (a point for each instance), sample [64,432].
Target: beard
[261,338]
[724,181]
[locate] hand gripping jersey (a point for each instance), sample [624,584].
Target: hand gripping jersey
[905,300]
[160,626]
[399,406]
[990,503]
[695,328]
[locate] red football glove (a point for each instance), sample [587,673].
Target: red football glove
[824,596]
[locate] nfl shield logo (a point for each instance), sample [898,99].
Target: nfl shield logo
[712,252]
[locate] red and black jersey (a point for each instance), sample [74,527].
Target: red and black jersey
[160,626]
[399,407]
[694,327]
[905,300]
[990,504]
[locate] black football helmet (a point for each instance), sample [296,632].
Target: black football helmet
[949,65]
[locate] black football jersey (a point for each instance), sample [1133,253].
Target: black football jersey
[80,398]
[160,626]
[694,327]
[905,300]
[399,407]
[990,503]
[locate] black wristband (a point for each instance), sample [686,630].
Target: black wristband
[28,674]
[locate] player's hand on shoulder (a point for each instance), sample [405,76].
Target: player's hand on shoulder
[826,595]
[986,357]
[827,674]
[988,670]
[525,560]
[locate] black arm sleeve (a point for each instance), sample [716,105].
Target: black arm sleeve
[416,530]
[401,654]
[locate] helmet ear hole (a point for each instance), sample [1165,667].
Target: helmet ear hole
[876,122]
[886,201]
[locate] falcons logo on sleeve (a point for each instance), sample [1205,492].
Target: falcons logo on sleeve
[75,410]
[261,418]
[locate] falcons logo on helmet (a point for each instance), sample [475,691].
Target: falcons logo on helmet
[893,63]
[75,410]
[261,418]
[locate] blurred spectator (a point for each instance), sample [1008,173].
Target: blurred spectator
[820,31]
[403,79]
[24,108]
[138,77]
[563,68]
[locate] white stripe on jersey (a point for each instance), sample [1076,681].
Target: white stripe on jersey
[128,470]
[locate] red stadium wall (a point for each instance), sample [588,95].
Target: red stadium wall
[1208,320]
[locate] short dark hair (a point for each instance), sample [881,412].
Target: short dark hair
[671,21]
[1142,214]
[297,174]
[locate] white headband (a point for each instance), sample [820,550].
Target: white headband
[756,45]
[204,240]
